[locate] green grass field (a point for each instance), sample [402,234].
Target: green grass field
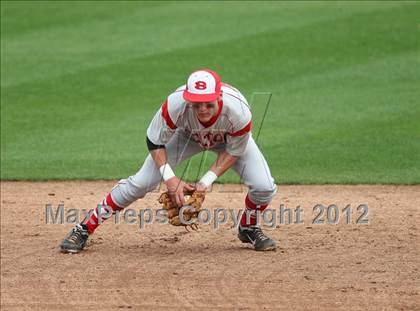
[80,82]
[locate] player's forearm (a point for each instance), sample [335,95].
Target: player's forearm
[176,187]
[158,152]
[223,162]
[159,156]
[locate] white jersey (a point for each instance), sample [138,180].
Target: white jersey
[231,126]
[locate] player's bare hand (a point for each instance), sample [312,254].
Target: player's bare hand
[176,188]
[200,187]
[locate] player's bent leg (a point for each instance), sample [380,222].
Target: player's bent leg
[126,191]
[255,173]
[135,187]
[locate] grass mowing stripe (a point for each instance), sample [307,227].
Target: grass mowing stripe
[74,47]
[319,43]
[23,17]
[63,127]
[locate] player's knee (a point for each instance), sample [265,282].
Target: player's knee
[127,191]
[263,194]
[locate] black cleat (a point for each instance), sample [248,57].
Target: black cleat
[257,238]
[75,240]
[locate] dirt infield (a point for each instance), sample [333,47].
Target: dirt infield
[327,266]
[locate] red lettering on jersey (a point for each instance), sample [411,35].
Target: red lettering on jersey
[218,138]
[209,139]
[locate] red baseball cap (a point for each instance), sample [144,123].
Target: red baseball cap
[202,86]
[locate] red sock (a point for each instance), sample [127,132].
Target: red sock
[92,223]
[251,208]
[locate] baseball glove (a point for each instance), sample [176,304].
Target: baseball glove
[193,199]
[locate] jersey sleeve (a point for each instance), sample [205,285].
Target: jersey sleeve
[163,124]
[237,139]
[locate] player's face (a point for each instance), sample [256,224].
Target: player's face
[205,111]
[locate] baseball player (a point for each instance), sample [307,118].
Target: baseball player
[204,114]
